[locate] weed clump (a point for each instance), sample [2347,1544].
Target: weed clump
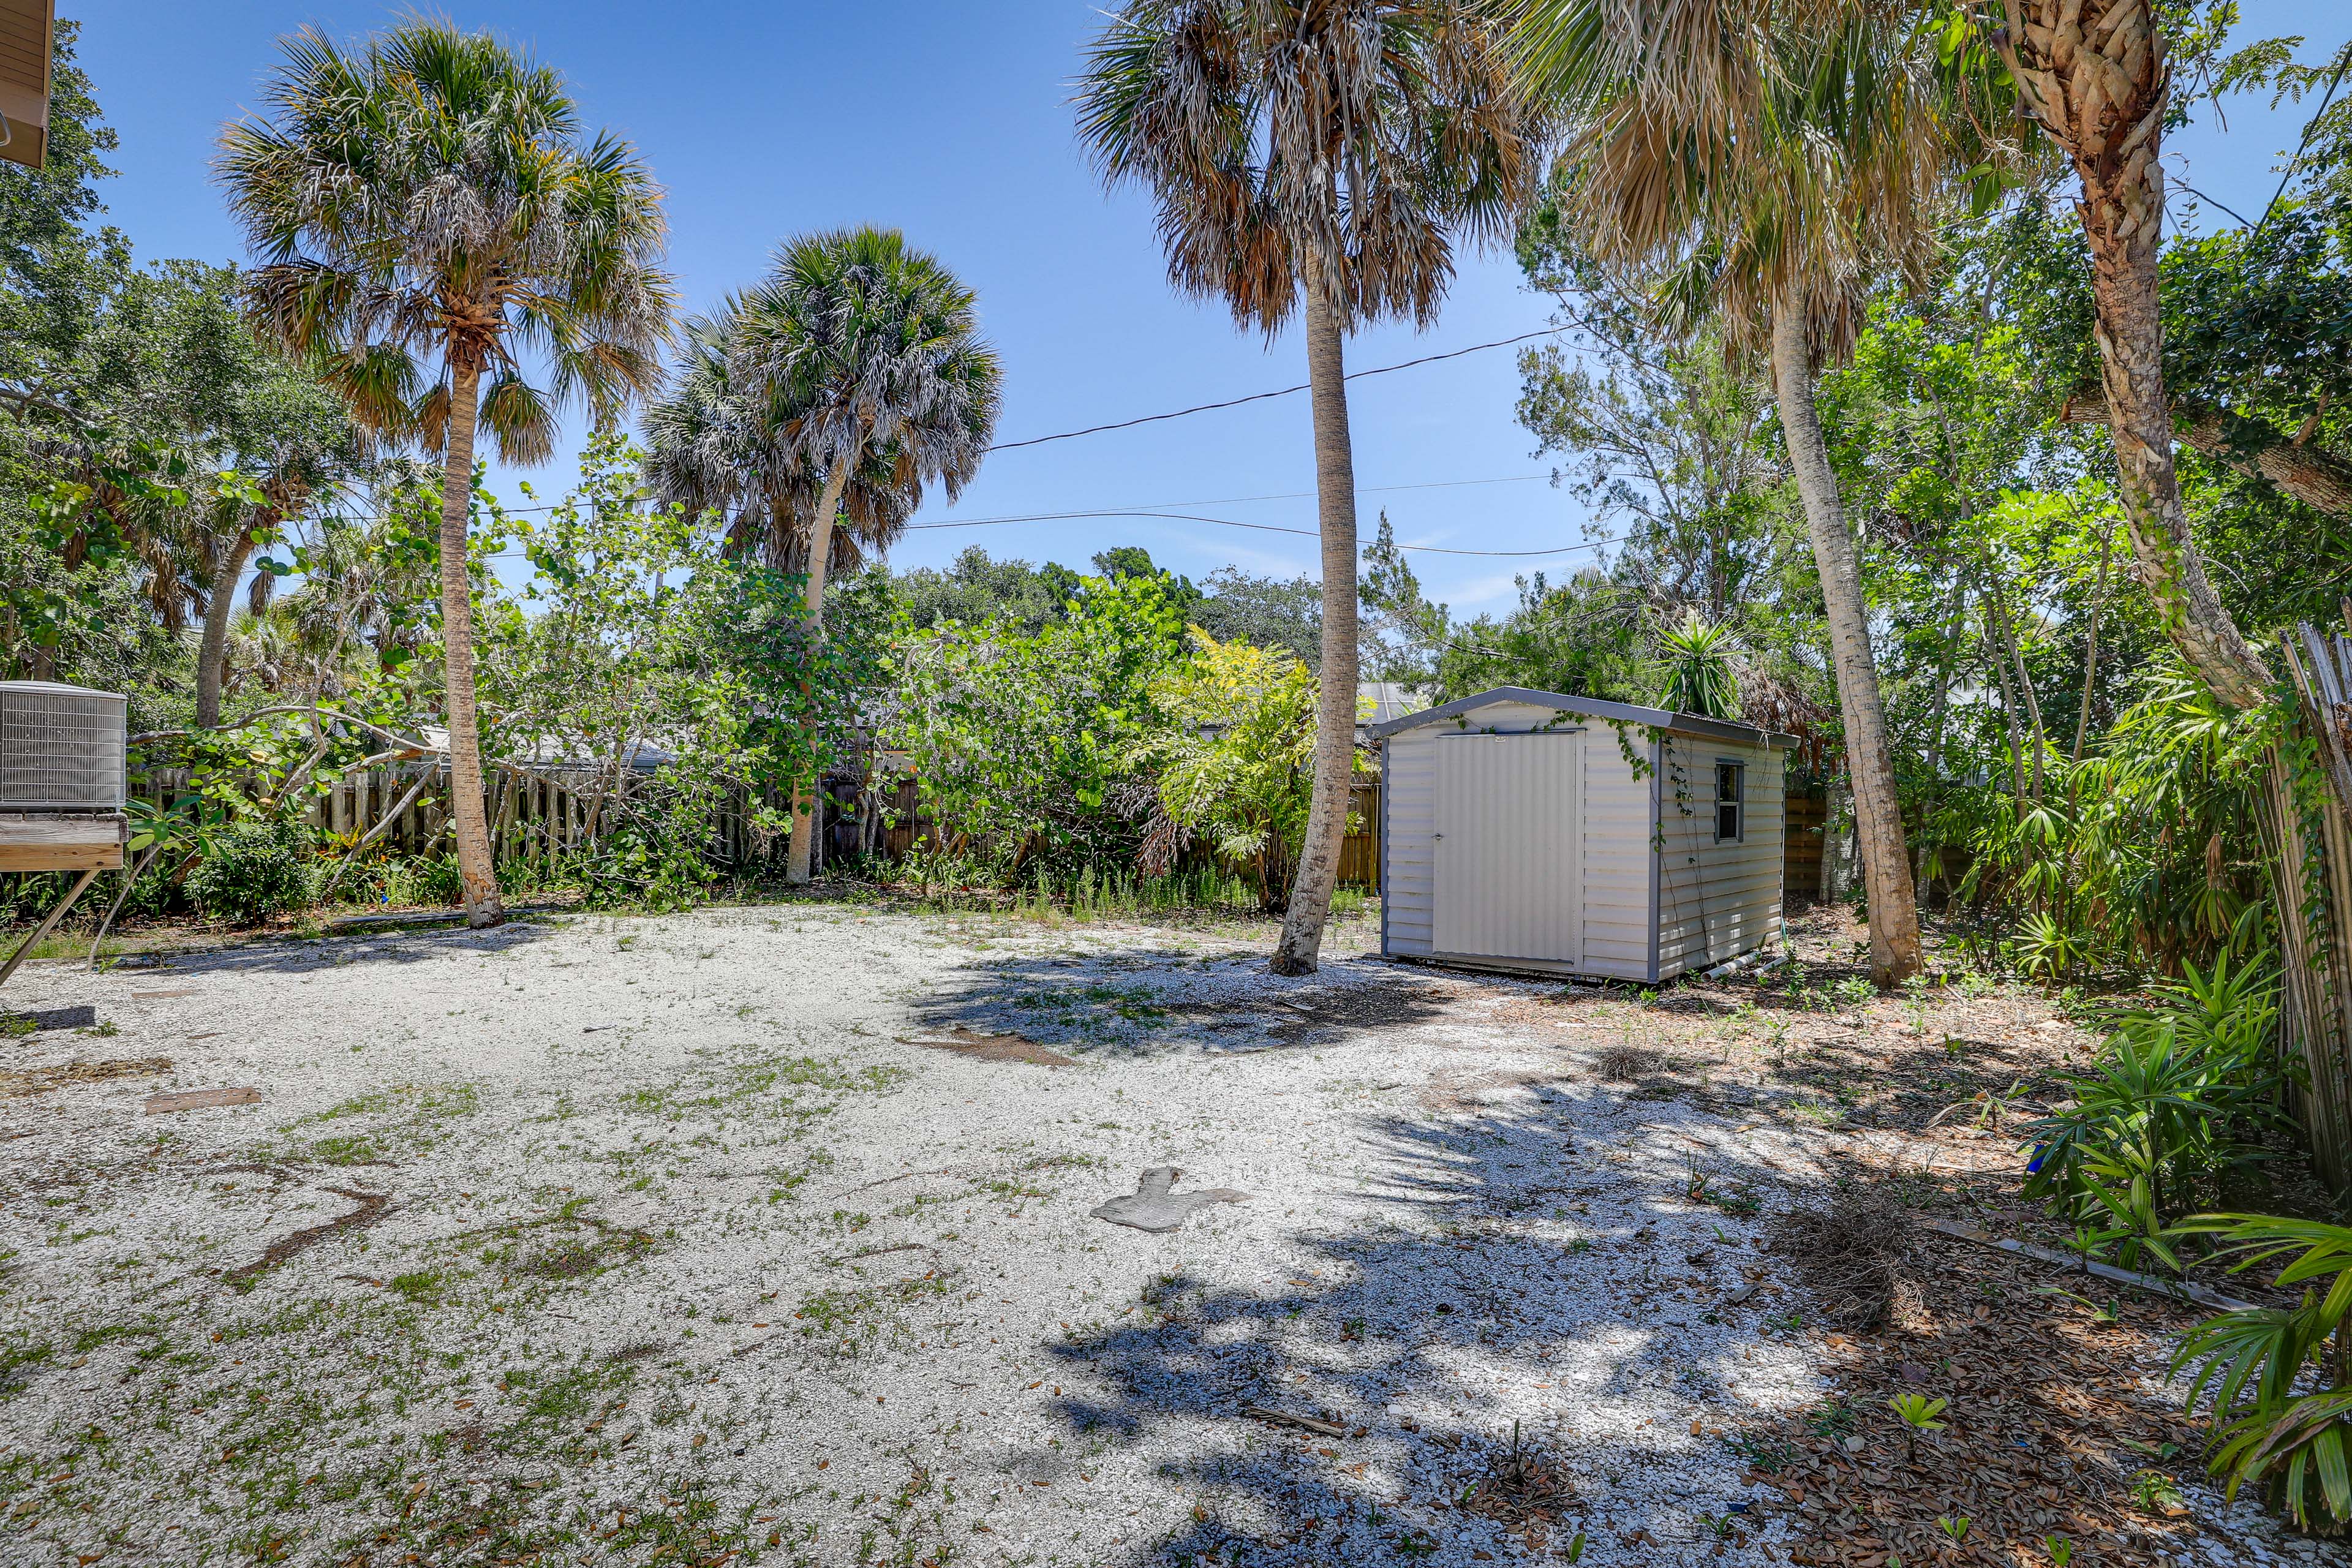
[1854,1253]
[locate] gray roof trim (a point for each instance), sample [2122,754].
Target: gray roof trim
[1591,708]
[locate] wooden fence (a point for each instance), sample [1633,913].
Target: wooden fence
[545,813]
[1804,836]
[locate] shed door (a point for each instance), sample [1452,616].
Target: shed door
[1509,831]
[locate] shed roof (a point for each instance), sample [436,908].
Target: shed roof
[1591,708]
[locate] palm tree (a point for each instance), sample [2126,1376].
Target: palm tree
[1313,156]
[709,449]
[1767,161]
[427,211]
[295,447]
[2093,73]
[854,372]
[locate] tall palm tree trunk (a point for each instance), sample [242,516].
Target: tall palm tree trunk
[476,872]
[2093,73]
[799,852]
[220,608]
[1895,952]
[1334,724]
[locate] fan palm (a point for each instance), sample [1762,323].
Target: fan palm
[427,211]
[709,449]
[854,369]
[1313,157]
[1766,160]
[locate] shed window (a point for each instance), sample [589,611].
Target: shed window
[1730,802]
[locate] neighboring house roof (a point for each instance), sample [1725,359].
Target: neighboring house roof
[1590,707]
[1388,701]
[27,33]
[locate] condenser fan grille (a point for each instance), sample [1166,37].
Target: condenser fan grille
[62,748]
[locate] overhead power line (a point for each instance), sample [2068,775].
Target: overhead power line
[1282,392]
[1258,528]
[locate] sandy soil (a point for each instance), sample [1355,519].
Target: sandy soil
[670,1240]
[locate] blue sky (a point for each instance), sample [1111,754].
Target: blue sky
[952,121]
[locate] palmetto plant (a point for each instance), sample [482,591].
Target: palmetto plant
[431,221]
[855,368]
[2276,1428]
[1314,157]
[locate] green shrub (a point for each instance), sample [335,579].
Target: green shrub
[2181,1098]
[2281,1378]
[254,871]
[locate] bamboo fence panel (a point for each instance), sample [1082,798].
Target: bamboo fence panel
[2314,887]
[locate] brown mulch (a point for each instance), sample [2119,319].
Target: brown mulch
[2047,1428]
[16,1083]
[963,1042]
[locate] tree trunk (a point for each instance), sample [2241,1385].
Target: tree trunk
[798,856]
[2312,475]
[220,607]
[2093,73]
[2024,683]
[2090,645]
[1335,724]
[2011,725]
[1894,953]
[477,873]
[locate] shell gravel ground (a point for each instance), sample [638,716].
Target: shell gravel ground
[606,1240]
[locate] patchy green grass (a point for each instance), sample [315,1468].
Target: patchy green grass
[860,1313]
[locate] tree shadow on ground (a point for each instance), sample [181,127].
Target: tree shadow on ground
[1153,1001]
[307,955]
[1517,1264]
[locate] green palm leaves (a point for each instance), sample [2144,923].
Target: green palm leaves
[1748,154]
[427,200]
[2289,1443]
[1700,677]
[1345,141]
[847,380]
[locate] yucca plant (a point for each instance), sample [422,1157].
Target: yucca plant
[2274,1428]
[1700,679]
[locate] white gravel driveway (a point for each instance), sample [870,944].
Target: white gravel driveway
[655,1240]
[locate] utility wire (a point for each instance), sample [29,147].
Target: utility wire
[1284,391]
[1260,528]
[1231,403]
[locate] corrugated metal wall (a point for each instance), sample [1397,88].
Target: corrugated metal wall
[1508,846]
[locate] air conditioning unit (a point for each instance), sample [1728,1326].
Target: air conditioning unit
[62,748]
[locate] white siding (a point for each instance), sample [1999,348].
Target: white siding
[1717,901]
[1617,855]
[1409,806]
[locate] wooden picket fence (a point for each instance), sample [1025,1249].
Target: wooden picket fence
[534,815]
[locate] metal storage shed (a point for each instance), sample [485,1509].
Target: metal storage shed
[1533,830]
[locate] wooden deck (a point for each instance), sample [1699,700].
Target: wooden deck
[50,841]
